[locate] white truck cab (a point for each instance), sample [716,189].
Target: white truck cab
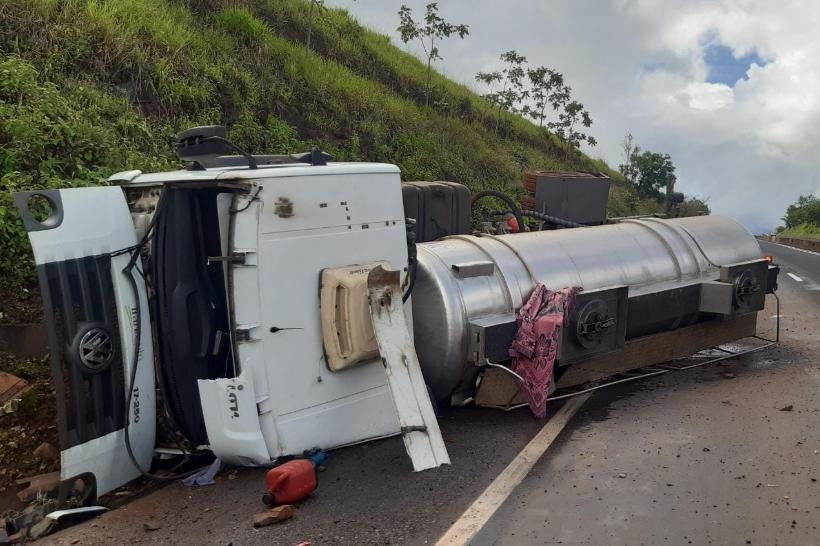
[218,268]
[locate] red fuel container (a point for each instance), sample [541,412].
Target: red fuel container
[290,482]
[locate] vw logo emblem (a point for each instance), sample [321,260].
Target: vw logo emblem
[96,349]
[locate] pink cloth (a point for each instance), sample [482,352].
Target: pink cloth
[535,345]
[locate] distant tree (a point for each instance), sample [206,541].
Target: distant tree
[628,168]
[427,32]
[544,84]
[511,95]
[805,211]
[691,206]
[653,172]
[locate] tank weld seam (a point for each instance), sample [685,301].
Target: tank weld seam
[517,255]
[645,223]
[672,227]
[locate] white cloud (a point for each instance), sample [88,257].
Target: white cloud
[705,96]
[638,66]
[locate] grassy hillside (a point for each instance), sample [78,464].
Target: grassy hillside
[89,87]
[803,231]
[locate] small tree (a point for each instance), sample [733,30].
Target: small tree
[432,29]
[511,95]
[544,82]
[490,79]
[628,168]
[571,116]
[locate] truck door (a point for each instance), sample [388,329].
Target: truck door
[82,239]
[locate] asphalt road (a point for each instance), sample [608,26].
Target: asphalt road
[707,457]
[802,264]
[698,457]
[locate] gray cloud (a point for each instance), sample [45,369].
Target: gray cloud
[638,66]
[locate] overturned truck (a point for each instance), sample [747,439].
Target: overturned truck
[264,305]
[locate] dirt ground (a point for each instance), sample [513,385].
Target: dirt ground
[21,432]
[20,305]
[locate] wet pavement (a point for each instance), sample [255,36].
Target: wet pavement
[707,457]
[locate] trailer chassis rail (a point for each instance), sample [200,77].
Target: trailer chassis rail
[704,357]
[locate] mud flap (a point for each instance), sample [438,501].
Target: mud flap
[81,248]
[419,427]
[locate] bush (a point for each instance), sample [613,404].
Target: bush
[53,138]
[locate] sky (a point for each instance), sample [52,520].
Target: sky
[729,88]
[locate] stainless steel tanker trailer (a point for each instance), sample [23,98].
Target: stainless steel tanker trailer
[258,306]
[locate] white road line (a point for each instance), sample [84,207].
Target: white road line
[795,277]
[479,513]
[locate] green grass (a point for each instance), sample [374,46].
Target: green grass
[90,87]
[803,231]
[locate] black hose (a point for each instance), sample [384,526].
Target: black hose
[551,219]
[129,273]
[412,258]
[504,197]
[412,273]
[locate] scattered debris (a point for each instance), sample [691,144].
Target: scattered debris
[729,375]
[35,521]
[41,484]
[232,474]
[70,516]
[790,407]
[151,525]
[47,452]
[274,515]
[20,523]
[10,406]
[205,476]
[11,387]
[622,475]
[42,528]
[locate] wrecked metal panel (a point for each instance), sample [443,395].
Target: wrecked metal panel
[419,427]
[90,309]
[232,421]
